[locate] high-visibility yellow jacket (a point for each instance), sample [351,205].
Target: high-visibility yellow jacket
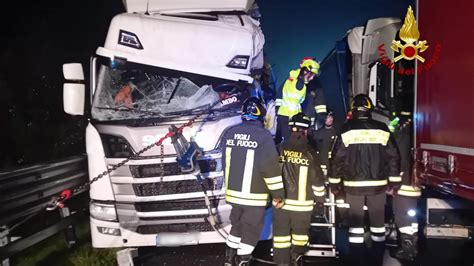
[289,98]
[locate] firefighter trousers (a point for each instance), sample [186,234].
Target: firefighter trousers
[283,130]
[290,234]
[247,223]
[376,211]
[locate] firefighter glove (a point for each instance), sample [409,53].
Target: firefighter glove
[278,203]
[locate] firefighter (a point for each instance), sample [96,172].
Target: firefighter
[292,95]
[252,172]
[323,140]
[405,199]
[304,183]
[365,160]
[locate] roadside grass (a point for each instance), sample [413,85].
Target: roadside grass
[54,251]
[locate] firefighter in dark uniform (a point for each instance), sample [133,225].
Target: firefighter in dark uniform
[365,160]
[304,183]
[293,94]
[406,198]
[323,139]
[315,104]
[252,172]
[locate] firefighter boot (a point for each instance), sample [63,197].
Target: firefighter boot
[408,249]
[230,256]
[243,260]
[377,252]
[358,255]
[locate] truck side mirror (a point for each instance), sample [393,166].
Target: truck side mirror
[74,91]
[73,98]
[73,71]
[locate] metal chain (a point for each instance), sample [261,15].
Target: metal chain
[58,201]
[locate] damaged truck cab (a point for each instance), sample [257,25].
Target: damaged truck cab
[163,63]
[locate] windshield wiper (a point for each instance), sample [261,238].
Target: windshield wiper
[128,109]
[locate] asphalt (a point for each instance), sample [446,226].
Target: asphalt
[432,253]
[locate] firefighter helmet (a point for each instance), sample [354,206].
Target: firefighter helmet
[300,121]
[253,109]
[310,64]
[361,102]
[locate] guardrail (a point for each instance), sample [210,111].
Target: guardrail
[25,192]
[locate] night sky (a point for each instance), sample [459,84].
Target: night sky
[39,36]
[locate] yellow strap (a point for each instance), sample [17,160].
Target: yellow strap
[409,193]
[368,183]
[318,194]
[281,245]
[303,178]
[271,180]
[246,201]
[297,208]
[282,238]
[299,242]
[395,178]
[320,109]
[318,188]
[238,194]
[334,180]
[300,237]
[228,152]
[409,188]
[275,186]
[365,136]
[299,202]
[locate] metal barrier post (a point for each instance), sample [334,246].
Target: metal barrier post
[3,242]
[69,232]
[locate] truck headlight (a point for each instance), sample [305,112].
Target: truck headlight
[103,211]
[239,61]
[116,146]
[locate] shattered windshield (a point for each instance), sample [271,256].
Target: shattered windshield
[135,91]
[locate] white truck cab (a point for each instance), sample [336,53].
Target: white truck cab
[163,62]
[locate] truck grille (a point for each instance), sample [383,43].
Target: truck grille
[181,227]
[154,170]
[176,187]
[174,205]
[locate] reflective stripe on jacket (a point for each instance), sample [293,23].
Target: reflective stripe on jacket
[251,165]
[302,175]
[365,158]
[291,98]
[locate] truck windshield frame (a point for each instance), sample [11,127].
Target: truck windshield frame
[128,91]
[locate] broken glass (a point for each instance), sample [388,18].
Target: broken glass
[135,93]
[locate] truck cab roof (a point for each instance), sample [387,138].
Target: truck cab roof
[203,43]
[180,6]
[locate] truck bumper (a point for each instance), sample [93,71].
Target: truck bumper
[128,238]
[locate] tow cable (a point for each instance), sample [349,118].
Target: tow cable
[174,133]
